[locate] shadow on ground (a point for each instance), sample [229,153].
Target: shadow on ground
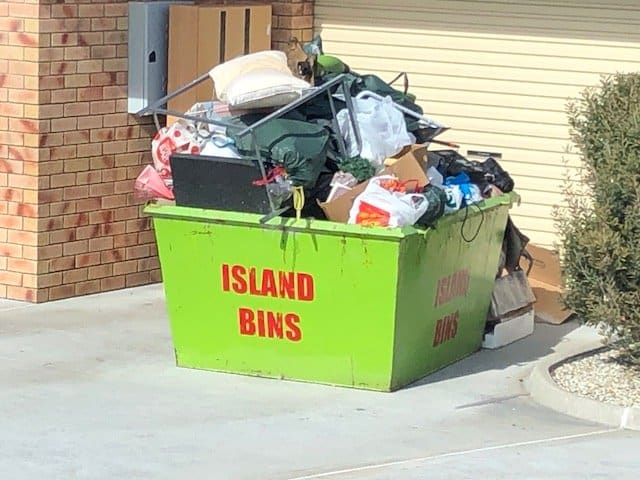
[542,343]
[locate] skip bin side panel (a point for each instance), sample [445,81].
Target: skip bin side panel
[444,292]
[338,328]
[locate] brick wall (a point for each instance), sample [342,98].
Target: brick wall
[293,18]
[20,242]
[69,153]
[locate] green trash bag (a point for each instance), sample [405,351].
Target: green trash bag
[300,147]
[436,198]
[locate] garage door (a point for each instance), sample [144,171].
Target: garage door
[499,73]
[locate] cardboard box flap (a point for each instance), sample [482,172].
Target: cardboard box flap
[549,305]
[546,280]
[409,166]
[546,266]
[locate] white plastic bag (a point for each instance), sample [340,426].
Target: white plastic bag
[454,198]
[382,129]
[377,206]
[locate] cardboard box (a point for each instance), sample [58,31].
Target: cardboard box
[202,36]
[546,280]
[410,165]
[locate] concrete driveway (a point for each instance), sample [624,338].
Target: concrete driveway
[89,390]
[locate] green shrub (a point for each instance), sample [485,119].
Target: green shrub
[600,223]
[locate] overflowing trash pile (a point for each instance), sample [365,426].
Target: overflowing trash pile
[330,143]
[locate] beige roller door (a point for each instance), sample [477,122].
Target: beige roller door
[498,72]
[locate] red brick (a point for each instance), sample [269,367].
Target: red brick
[103,51]
[90,150]
[112,283]
[148,236]
[116,228]
[63,153]
[75,276]
[76,81]
[103,78]
[75,248]
[49,280]
[63,291]
[87,288]
[76,219]
[64,124]
[135,279]
[115,37]
[100,271]
[50,251]
[106,106]
[150,263]
[77,137]
[86,11]
[138,225]
[22,266]
[125,186]
[140,251]
[12,222]
[124,268]
[77,53]
[101,216]
[103,162]
[88,204]
[62,236]
[76,165]
[76,109]
[78,192]
[127,240]
[115,92]
[114,201]
[88,260]
[26,294]
[102,190]
[103,24]
[104,243]
[91,177]
[89,231]
[50,224]
[23,238]
[112,256]
[127,213]
[11,278]
[61,208]
[90,94]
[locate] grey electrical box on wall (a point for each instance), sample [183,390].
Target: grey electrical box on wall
[148,52]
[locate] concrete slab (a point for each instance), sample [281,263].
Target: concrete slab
[91,391]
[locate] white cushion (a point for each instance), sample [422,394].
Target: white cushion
[263,89]
[225,73]
[258,80]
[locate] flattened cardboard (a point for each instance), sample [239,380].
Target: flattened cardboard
[410,166]
[546,281]
[198,41]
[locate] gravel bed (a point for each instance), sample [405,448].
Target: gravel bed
[601,377]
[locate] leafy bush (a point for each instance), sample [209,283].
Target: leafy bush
[600,223]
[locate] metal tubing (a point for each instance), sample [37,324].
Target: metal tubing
[166,98]
[411,113]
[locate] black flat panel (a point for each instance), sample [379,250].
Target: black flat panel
[218,183]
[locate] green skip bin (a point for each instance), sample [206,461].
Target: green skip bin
[325,302]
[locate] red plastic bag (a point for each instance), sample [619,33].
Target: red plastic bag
[150,185]
[169,140]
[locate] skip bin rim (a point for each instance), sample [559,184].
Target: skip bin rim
[312,226]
